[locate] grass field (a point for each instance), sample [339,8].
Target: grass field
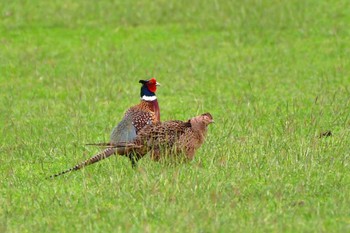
[274,74]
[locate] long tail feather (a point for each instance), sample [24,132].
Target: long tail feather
[101,144]
[117,145]
[128,145]
[104,154]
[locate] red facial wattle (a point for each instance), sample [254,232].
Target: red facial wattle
[152,85]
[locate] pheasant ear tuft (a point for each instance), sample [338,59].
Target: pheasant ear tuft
[151,84]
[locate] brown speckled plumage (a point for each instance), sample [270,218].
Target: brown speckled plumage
[143,114]
[170,138]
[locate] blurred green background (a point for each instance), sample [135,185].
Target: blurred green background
[274,74]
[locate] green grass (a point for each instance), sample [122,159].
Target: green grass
[274,74]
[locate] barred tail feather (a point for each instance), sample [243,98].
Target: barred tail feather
[115,145]
[129,145]
[104,154]
[101,144]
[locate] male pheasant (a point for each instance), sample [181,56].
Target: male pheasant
[145,113]
[172,138]
[136,117]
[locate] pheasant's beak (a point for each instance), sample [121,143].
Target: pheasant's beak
[157,84]
[212,121]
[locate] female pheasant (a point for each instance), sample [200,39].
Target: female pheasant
[172,138]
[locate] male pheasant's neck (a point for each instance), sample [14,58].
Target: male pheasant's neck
[152,106]
[151,97]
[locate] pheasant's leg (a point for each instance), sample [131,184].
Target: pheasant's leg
[133,162]
[133,158]
[155,156]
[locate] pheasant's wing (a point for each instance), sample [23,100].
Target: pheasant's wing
[134,120]
[142,118]
[161,134]
[125,131]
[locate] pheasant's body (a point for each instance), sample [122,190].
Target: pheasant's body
[135,118]
[170,138]
[145,113]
